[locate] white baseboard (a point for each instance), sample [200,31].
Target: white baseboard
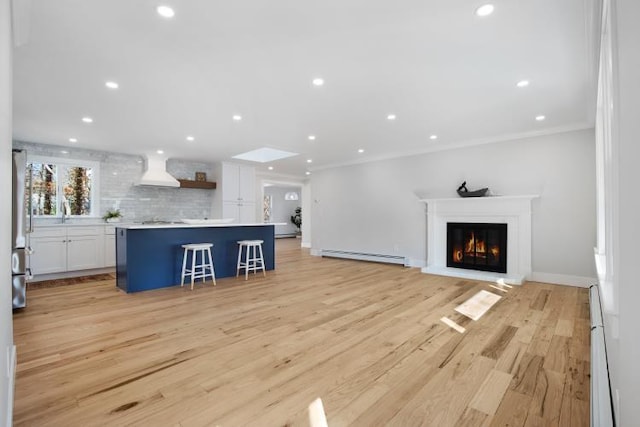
[562,279]
[415,262]
[305,245]
[316,252]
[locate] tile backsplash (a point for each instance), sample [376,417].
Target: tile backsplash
[120,172]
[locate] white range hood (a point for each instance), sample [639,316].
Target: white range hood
[156,174]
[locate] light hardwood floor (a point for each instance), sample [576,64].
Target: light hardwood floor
[366,338]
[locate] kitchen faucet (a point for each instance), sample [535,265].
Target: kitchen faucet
[63,209]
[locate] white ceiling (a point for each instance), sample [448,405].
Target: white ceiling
[435,64]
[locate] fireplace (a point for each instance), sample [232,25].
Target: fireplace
[477,246]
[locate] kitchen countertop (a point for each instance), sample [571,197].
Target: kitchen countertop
[138,225]
[80,224]
[182,225]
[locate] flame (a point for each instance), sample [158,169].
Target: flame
[470,246]
[474,246]
[457,254]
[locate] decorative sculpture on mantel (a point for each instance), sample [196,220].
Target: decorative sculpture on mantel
[464,192]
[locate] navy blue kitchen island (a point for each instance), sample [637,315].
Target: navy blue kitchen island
[150,256]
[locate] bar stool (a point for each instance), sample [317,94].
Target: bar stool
[201,270]
[250,263]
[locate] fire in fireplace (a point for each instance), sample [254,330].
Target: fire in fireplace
[477,246]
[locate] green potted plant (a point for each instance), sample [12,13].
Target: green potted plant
[112,216]
[296,218]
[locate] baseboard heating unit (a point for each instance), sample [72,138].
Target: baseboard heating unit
[601,402]
[362,256]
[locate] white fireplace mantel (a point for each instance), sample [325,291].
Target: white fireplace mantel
[515,211]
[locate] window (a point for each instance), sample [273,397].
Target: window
[63,186]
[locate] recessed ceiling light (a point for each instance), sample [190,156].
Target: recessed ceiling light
[311,137]
[237,117]
[307,173]
[523,83]
[115,173]
[160,152]
[270,168]
[73,139]
[391,117]
[318,82]
[433,137]
[190,138]
[540,118]
[309,161]
[64,151]
[360,150]
[485,10]
[165,11]
[87,119]
[112,85]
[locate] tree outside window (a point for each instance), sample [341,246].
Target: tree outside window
[58,188]
[77,190]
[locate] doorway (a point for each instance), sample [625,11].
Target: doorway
[282,203]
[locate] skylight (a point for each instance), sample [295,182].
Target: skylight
[264,155]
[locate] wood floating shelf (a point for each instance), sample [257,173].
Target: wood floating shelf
[188,183]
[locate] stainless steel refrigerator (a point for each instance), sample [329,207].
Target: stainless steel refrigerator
[19,251]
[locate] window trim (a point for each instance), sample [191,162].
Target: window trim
[72,162]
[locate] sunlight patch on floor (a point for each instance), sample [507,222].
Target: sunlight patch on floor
[317,417]
[476,306]
[453,324]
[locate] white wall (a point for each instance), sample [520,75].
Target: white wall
[374,207]
[6,319]
[306,215]
[623,349]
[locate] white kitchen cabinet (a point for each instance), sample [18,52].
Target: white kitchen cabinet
[247,213]
[236,197]
[84,252]
[85,247]
[238,183]
[49,255]
[247,185]
[230,210]
[109,246]
[110,251]
[242,212]
[66,248]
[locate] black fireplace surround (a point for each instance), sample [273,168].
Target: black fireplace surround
[477,246]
